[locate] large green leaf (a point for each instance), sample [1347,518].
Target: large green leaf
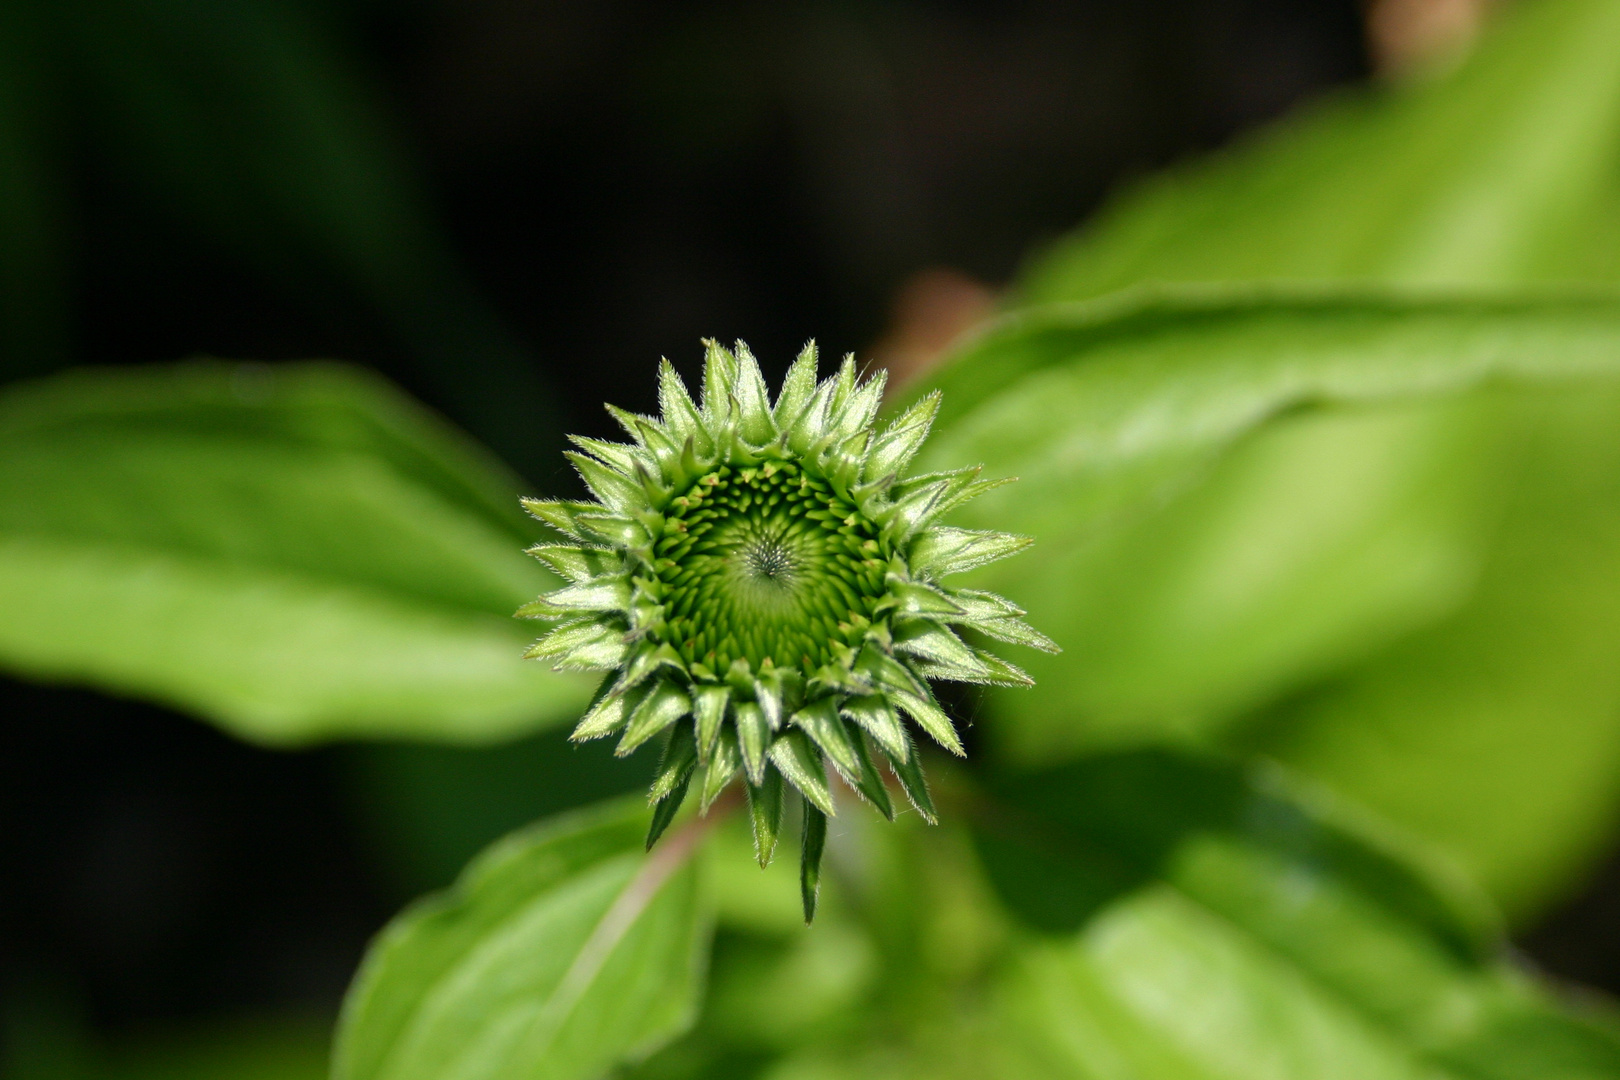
[1508,170]
[1204,582]
[1497,730]
[1231,925]
[296,552]
[1233,494]
[1182,917]
[562,951]
[1237,497]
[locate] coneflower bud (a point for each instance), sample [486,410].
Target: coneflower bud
[762,583]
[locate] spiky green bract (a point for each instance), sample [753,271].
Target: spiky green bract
[762,581]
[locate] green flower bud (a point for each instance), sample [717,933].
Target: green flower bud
[762,582]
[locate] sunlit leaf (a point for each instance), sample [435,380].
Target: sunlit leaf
[1501,172]
[1183,916]
[294,552]
[562,951]
[1231,497]
[1233,927]
[1237,498]
[1494,730]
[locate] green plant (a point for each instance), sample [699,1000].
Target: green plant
[767,569]
[1329,527]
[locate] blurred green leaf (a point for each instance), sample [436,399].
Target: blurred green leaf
[562,951]
[1495,730]
[1507,170]
[1239,495]
[1198,586]
[1233,494]
[1198,919]
[906,934]
[1064,844]
[822,972]
[1206,588]
[1257,931]
[766,955]
[295,552]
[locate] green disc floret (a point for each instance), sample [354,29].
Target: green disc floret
[766,564]
[761,581]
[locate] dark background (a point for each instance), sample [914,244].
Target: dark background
[613,181]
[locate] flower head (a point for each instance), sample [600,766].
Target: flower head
[761,580]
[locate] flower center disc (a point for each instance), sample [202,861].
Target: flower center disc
[766,563]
